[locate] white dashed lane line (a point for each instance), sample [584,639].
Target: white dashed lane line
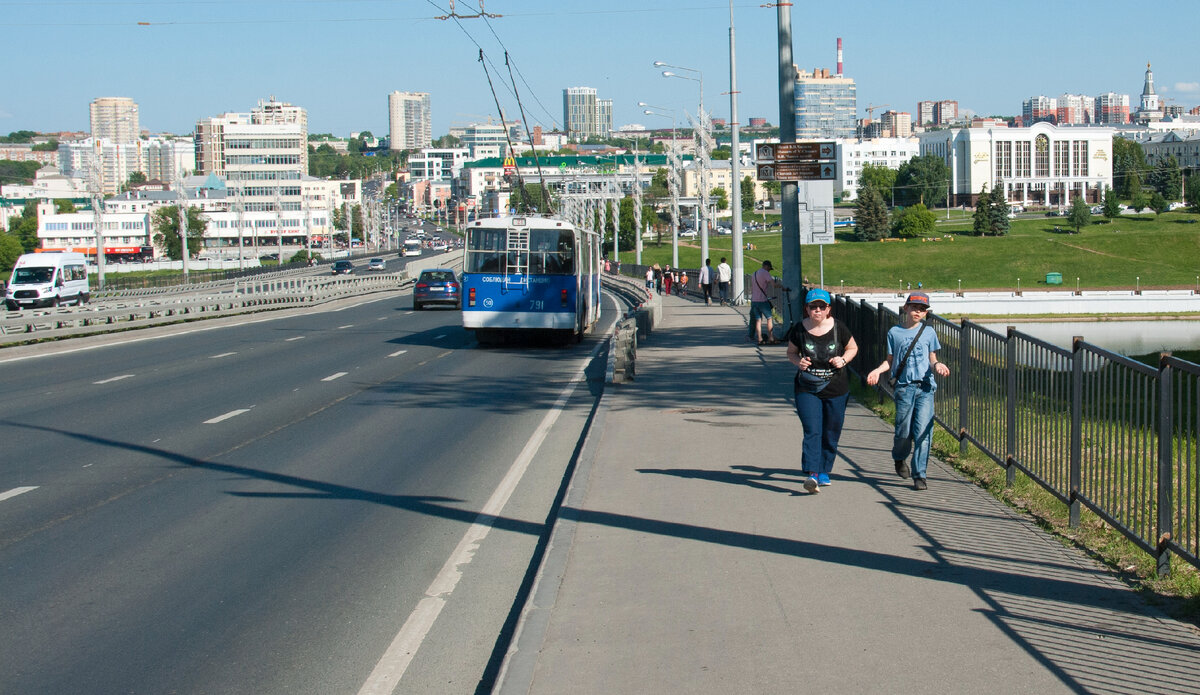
[397,353]
[439,337]
[349,325]
[112,379]
[331,377]
[299,337]
[223,354]
[226,416]
[16,491]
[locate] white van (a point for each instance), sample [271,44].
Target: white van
[48,279]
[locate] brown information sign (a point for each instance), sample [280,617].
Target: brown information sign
[794,151]
[797,171]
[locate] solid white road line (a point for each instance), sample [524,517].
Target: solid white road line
[112,379]
[16,491]
[331,377]
[391,666]
[223,354]
[397,353]
[349,325]
[226,416]
[299,337]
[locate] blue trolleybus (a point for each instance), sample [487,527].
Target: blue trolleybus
[530,275]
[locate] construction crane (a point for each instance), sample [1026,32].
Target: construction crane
[871,110]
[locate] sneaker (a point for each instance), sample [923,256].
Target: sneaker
[919,484]
[901,468]
[810,484]
[823,480]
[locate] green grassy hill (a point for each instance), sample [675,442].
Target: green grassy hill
[1131,250]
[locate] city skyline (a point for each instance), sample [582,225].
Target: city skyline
[987,60]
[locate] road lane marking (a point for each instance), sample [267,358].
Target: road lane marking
[226,416]
[385,678]
[383,318]
[223,354]
[299,337]
[349,325]
[397,353]
[331,377]
[439,337]
[16,491]
[112,379]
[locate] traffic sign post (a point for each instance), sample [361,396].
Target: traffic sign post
[796,161]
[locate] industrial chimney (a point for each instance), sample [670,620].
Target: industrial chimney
[839,72]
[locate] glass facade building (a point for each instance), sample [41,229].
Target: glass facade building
[825,106]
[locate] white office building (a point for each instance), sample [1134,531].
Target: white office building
[410,120]
[115,119]
[262,155]
[438,164]
[853,155]
[1043,165]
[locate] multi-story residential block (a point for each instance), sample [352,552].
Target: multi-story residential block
[434,164]
[24,152]
[896,124]
[410,120]
[1039,108]
[853,155]
[1041,165]
[1075,109]
[261,155]
[945,112]
[581,113]
[926,113]
[1111,108]
[115,119]
[825,105]
[1183,145]
[485,140]
[164,160]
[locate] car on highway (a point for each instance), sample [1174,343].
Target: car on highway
[376,264]
[342,267]
[437,286]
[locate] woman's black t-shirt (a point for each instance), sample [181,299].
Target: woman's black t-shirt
[821,378]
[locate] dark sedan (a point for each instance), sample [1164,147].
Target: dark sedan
[437,286]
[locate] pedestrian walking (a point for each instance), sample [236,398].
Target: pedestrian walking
[724,276]
[683,281]
[761,310]
[668,279]
[650,279]
[820,346]
[706,281]
[913,386]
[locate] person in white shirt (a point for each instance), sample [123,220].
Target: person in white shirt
[724,276]
[706,281]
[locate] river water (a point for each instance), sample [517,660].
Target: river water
[1123,337]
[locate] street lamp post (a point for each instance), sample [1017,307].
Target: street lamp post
[734,167]
[702,216]
[673,181]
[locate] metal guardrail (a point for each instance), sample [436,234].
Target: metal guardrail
[138,312]
[1094,428]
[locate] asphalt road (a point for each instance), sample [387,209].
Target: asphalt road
[284,504]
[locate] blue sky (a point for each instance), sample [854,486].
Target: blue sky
[339,60]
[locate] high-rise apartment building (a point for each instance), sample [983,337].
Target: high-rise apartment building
[410,120]
[896,124]
[926,113]
[115,119]
[945,112]
[261,155]
[1039,108]
[1075,109]
[825,105]
[581,112]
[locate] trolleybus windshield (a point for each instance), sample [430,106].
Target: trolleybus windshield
[551,252]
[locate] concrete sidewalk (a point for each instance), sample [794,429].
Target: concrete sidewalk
[689,559]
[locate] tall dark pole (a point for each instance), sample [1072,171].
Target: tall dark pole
[790,228]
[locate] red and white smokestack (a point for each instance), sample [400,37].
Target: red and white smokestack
[839,56]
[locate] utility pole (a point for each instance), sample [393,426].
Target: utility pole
[637,203]
[239,206]
[739,263]
[183,225]
[789,194]
[279,224]
[97,216]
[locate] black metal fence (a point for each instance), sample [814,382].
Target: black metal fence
[1094,428]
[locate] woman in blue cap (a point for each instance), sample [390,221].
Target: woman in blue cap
[820,346]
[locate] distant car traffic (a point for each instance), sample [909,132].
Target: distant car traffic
[437,286]
[688,234]
[342,267]
[376,264]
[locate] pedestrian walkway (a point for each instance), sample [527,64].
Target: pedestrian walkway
[689,559]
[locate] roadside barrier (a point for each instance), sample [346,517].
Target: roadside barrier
[1094,428]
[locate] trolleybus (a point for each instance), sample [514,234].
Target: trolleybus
[530,274]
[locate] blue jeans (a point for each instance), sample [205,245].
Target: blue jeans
[822,420]
[914,424]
